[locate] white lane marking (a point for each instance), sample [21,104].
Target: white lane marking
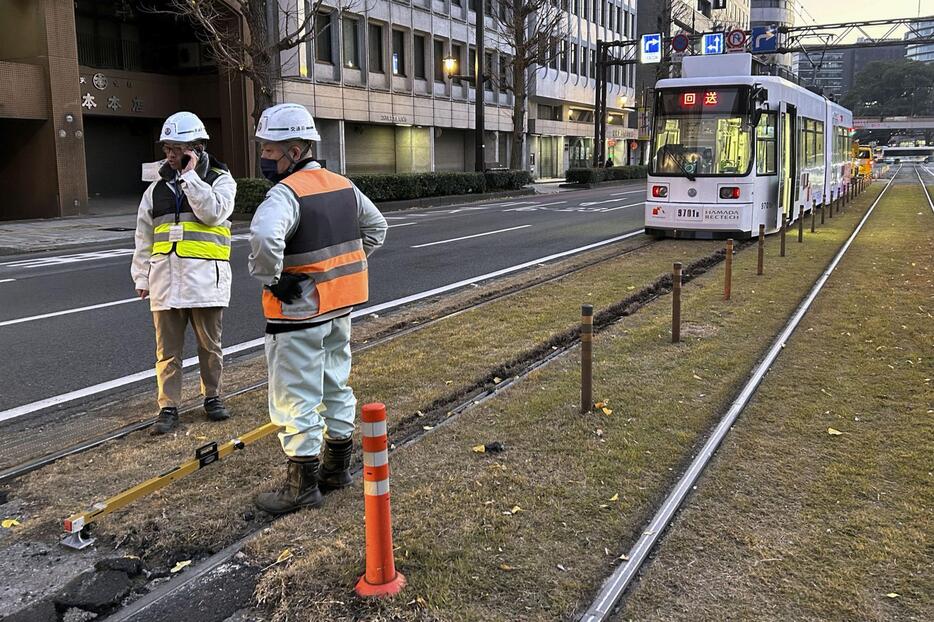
[67,311]
[41,262]
[7,280]
[467,237]
[57,400]
[402,224]
[613,209]
[395,217]
[589,203]
[532,206]
[616,194]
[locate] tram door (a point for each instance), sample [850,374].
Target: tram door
[787,173]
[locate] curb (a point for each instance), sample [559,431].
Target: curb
[453,199]
[600,184]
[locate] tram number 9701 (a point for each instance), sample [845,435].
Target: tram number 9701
[688,213]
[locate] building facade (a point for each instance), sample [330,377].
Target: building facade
[88,83]
[375,81]
[823,71]
[856,59]
[775,13]
[923,52]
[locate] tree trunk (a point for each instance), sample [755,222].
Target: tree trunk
[520,97]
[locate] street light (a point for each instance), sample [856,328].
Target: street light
[449,64]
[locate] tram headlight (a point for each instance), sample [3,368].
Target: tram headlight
[729,192]
[659,192]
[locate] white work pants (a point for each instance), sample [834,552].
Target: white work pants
[308,392]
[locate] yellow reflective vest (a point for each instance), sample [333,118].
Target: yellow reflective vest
[177,230]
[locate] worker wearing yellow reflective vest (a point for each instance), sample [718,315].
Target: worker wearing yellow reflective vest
[181,262]
[310,239]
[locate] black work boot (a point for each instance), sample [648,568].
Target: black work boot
[335,465]
[215,410]
[299,490]
[167,421]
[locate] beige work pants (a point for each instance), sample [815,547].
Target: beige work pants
[170,339]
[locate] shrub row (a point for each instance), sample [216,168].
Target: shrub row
[401,187]
[595,175]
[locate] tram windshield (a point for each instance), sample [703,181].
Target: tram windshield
[702,132]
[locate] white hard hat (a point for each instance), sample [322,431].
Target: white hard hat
[183,127]
[286,122]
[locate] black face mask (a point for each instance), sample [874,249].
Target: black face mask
[270,170]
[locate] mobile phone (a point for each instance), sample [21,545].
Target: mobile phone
[185,160]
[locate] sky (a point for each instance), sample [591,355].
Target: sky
[837,11]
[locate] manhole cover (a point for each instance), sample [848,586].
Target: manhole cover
[117,229]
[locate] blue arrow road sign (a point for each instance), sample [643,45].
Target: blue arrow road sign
[764,39]
[652,48]
[713,43]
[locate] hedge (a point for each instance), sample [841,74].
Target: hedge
[595,175]
[401,187]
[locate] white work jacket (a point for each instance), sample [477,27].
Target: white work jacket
[179,282]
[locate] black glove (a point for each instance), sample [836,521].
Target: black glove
[288,288]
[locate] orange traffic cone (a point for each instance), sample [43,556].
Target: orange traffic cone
[381,578]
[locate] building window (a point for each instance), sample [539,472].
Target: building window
[419,54]
[472,61]
[611,14]
[503,74]
[398,53]
[563,54]
[572,60]
[351,27]
[553,61]
[585,4]
[488,65]
[376,49]
[323,51]
[596,11]
[457,51]
[620,26]
[439,60]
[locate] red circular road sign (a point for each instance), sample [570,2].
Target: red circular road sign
[633,145]
[680,42]
[735,39]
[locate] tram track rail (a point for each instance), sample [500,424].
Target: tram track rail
[439,415]
[615,586]
[391,333]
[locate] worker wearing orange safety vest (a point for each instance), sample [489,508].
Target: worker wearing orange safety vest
[309,241]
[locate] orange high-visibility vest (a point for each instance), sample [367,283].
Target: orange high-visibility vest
[326,246]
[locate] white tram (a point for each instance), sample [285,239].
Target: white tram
[732,150]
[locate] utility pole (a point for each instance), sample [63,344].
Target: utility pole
[480,87]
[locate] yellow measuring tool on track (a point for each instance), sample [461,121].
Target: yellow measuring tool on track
[204,455]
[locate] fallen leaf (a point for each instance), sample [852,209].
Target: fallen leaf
[480,449]
[607,411]
[428,427]
[421,601]
[9,523]
[448,382]
[624,558]
[893,594]
[630,288]
[181,566]
[696,377]
[201,438]
[497,380]
[604,505]
[284,555]
[600,404]
[834,432]
[562,568]
[516,509]
[615,497]
[506,567]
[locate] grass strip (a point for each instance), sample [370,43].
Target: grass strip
[819,504]
[530,533]
[213,507]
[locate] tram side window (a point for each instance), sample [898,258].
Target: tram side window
[819,144]
[765,144]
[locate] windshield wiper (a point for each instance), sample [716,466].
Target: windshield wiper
[680,162]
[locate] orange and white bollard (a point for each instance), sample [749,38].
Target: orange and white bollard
[381,578]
